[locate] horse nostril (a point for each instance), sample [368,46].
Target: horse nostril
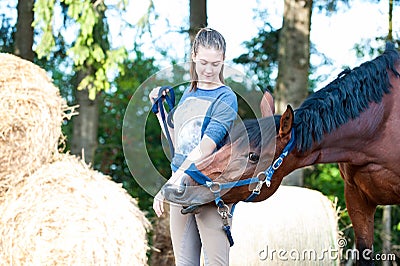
[182,185]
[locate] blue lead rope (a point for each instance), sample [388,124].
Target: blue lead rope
[228,233]
[158,106]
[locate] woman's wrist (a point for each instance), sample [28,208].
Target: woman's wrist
[179,171]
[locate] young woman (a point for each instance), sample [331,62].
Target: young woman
[202,119]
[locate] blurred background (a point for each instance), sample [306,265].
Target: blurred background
[98,52]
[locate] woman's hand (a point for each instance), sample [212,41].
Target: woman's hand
[158,204]
[154,94]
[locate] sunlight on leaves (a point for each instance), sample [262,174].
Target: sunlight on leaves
[85,51]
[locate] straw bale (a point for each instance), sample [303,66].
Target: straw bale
[31,114]
[289,228]
[68,214]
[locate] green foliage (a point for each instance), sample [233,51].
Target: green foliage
[144,22]
[64,78]
[110,63]
[109,158]
[329,6]
[6,35]
[44,16]
[87,51]
[326,178]
[262,56]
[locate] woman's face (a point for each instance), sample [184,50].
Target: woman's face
[209,63]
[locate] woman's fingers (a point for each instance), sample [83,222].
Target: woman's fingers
[158,204]
[154,94]
[158,207]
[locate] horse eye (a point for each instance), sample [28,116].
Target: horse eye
[254,157]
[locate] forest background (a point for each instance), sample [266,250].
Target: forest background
[99,52]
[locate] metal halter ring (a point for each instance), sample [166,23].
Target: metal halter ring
[258,187]
[223,210]
[260,174]
[217,187]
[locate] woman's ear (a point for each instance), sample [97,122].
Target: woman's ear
[193,56]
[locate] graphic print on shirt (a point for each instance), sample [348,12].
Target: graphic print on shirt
[188,123]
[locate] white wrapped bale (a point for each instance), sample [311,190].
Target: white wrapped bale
[68,214]
[295,226]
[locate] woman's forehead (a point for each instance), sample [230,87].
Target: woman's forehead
[209,54]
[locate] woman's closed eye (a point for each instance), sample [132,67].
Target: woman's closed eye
[214,64]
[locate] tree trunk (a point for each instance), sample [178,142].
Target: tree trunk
[24,33]
[84,136]
[85,125]
[390,21]
[198,17]
[294,62]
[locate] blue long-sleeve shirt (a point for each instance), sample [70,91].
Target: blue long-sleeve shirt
[199,113]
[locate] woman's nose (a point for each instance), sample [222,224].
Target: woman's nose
[208,68]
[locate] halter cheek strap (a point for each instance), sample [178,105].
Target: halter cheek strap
[269,172]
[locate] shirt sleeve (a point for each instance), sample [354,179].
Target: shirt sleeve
[223,114]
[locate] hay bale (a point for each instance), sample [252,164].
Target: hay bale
[287,229]
[68,214]
[31,114]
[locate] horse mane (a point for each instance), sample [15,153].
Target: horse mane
[330,107]
[344,98]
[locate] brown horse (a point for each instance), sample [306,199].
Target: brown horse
[354,121]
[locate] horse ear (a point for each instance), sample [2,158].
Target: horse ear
[286,122]
[267,104]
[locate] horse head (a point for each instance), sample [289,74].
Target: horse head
[234,172]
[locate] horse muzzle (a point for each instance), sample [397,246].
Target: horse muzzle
[187,193]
